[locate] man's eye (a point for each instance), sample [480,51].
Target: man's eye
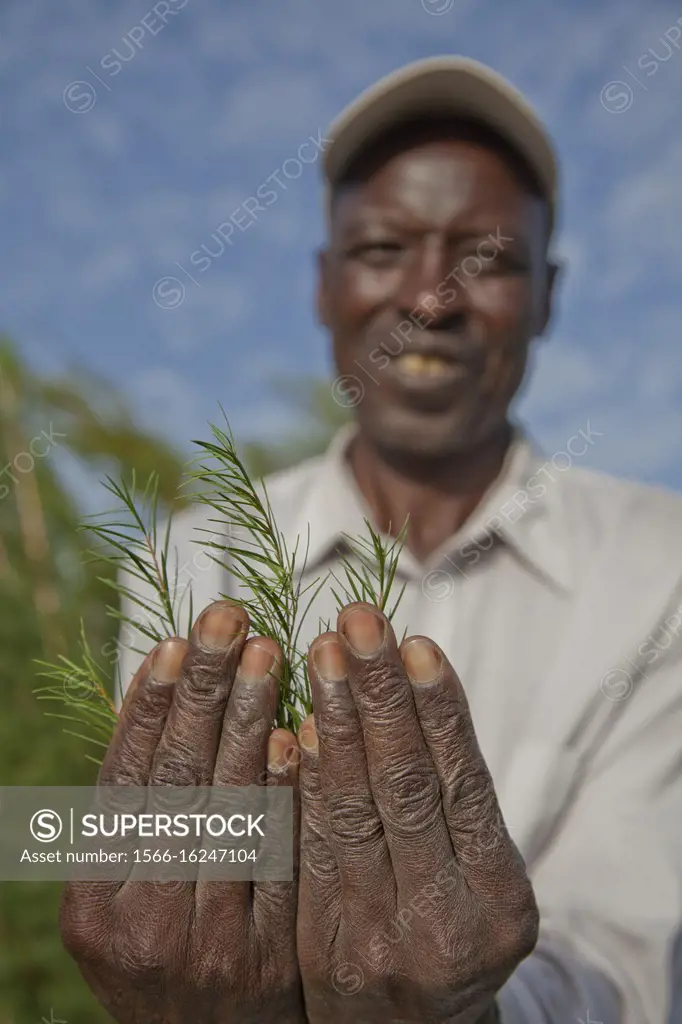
[500,263]
[377,253]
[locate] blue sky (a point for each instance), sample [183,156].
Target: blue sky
[106,185]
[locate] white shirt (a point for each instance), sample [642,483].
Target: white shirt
[559,603]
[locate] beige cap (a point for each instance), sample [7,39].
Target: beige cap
[443,85]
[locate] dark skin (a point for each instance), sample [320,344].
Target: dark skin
[412,903]
[196,713]
[395,239]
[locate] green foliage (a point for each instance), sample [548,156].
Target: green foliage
[255,554]
[261,564]
[83,690]
[372,578]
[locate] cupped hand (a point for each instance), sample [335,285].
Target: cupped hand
[211,952]
[414,903]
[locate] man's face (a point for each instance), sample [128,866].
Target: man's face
[433,285]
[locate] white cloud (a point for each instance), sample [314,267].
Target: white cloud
[213,308]
[274,113]
[107,133]
[108,268]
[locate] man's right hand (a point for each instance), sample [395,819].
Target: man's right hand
[196,714]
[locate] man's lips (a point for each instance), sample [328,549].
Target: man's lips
[424,370]
[432,363]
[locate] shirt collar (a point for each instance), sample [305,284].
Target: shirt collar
[524,507]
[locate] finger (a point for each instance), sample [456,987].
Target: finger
[251,710]
[243,755]
[241,758]
[480,839]
[142,718]
[86,904]
[319,894]
[225,908]
[403,778]
[274,903]
[355,829]
[187,750]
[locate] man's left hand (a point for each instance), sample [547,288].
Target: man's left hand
[414,903]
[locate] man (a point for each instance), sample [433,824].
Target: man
[554,593]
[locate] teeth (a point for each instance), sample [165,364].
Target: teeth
[413,362]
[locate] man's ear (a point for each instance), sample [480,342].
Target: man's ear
[322,287]
[555,270]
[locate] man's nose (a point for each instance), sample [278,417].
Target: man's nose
[427,290]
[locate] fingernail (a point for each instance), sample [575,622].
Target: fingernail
[307,736]
[329,660]
[220,625]
[364,631]
[282,753]
[422,660]
[257,662]
[167,661]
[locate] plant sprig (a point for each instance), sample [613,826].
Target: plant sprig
[131,541]
[256,555]
[373,580]
[248,544]
[82,688]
